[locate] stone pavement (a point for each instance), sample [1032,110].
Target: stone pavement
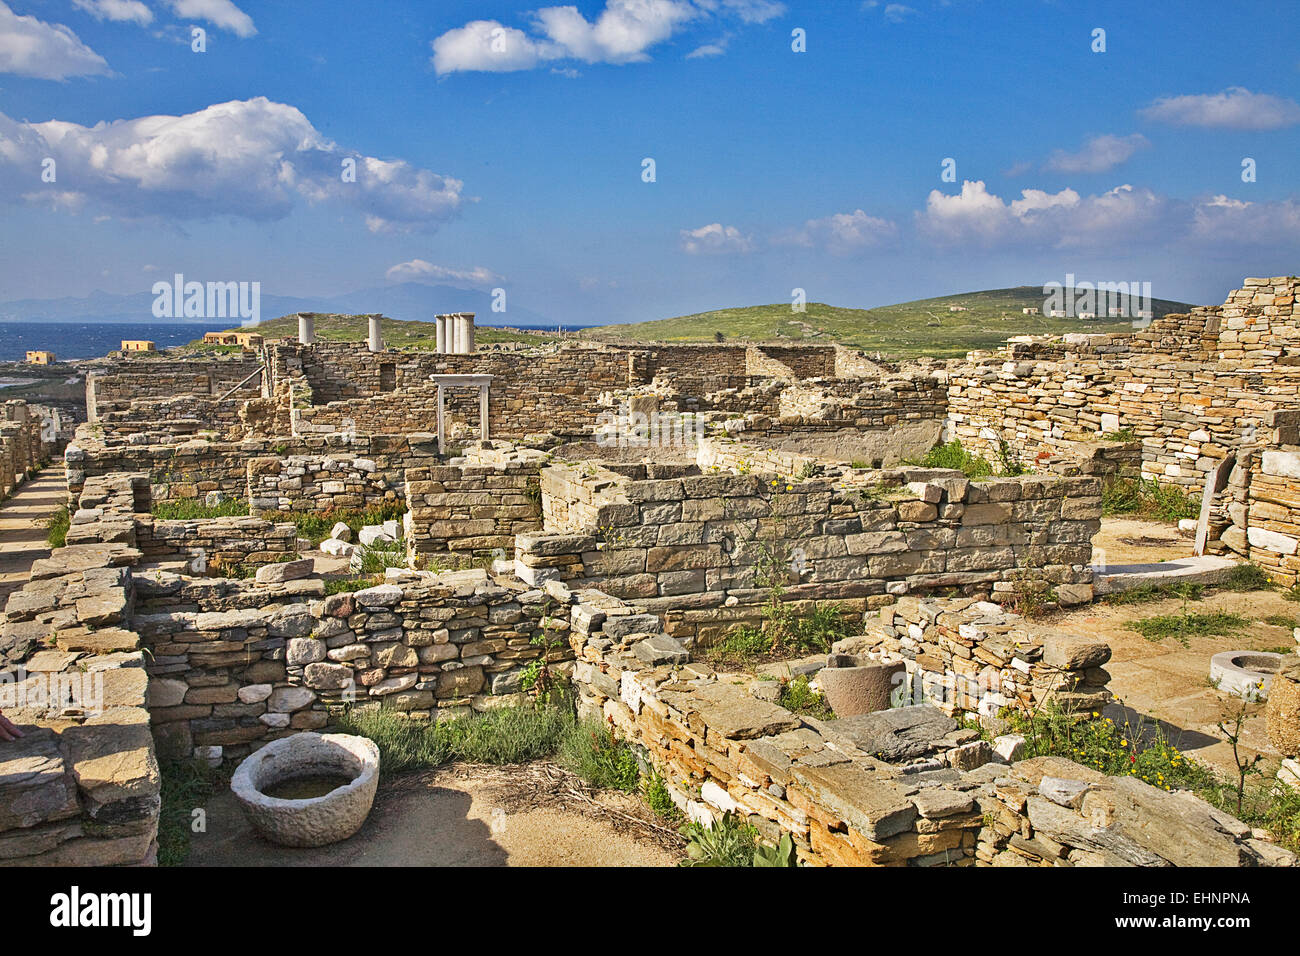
[22,527]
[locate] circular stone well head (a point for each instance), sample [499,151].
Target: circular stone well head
[316,820]
[1247,674]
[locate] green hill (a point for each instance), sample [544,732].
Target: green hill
[909,329]
[355,328]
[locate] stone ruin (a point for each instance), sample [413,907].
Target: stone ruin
[614,519]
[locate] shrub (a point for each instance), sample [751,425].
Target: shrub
[507,734]
[56,528]
[590,749]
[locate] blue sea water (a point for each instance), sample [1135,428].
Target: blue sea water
[79,340]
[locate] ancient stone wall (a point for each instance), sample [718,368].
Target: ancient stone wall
[887,532]
[26,442]
[474,504]
[81,787]
[236,663]
[192,468]
[902,787]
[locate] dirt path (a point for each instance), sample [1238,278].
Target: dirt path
[464,815]
[22,527]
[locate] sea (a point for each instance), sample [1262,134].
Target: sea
[81,340]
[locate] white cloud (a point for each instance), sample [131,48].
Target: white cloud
[1234,108]
[253,159]
[418,270]
[220,13]
[622,32]
[1062,219]
[748,11]
[1221,219]
[121,11]
[490,47]
[708,49]
[1098,154]
[898,12]
[844,232]
[715,238]
[31,47]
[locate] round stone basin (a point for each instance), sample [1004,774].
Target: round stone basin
[1247,674]
[308,759]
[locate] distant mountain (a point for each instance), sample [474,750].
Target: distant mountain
[407,301]
[943,327]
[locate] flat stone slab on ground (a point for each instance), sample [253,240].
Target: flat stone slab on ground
[898,734]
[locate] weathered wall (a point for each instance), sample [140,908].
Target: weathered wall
[866,535]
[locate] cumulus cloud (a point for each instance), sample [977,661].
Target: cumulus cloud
[31,47]
[1234,108]
[418,270]
[1221,219]
[844,233]
[121,11]
[254,159]
[220,13]
[1062,219]
[623,32]
[1098,154]
[715,238]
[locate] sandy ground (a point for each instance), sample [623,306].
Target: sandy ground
[1163,679]
[22,527]
[465,815]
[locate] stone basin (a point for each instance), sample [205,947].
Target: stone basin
[315,821]
[1247,674]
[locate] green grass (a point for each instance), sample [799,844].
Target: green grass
[186,786]
[315,526]
[591,750]
[799,698]
[1280,620]
[185,509]
[1145,752]
[1187,624]
[505,735]
[907,329]
[729,841]
[1142,498]
[1146,593]
[953,455]
[1249,577]
[655,793]
[56,528]
[397,334]
[783,634]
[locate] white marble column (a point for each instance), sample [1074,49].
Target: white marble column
[306,329]
[441,321]
[468,319]
[376,340]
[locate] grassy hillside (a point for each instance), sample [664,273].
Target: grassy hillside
[355,328]
[909,329]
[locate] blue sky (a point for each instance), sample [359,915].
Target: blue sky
[501,144]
